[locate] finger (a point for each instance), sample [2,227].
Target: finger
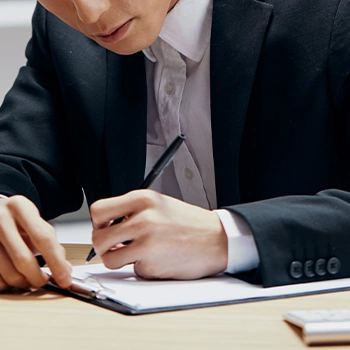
[106,238]
[115,259]
[54,254]
[9,273]
[42,235]
[106,210]
[3,285]
[20,255]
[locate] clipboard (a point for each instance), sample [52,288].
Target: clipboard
[124,292]
[83,291]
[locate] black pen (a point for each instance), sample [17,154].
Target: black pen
[156,171]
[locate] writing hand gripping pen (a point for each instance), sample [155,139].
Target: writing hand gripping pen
[156,171]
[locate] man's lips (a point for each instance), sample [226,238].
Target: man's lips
[114,34]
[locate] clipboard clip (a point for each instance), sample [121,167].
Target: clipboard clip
[88,287]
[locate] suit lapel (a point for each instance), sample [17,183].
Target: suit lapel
[83,85]
[238,33]
[126,121]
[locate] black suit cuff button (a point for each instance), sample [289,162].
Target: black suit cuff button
[296,269]
[333,266]
[320,267]
[309,270]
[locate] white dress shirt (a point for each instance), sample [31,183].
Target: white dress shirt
[178,81]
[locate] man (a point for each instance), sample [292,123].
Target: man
[261,90]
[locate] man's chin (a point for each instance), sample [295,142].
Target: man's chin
[124,49]
[131,44]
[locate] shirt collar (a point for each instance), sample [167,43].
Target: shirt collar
[187,28]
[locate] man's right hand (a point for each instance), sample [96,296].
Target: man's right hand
[23,233]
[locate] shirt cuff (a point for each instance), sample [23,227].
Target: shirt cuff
[242,252]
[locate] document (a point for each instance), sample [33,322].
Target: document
[121,290]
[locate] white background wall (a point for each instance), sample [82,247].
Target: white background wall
[15,31]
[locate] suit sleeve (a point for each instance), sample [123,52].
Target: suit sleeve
[307,238]
[35,157]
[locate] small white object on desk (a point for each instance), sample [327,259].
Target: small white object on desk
[322,326]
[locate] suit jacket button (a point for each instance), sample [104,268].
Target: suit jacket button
[333,266]
[296,269]
[309,268]
[320,267]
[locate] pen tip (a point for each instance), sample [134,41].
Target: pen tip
[86,262]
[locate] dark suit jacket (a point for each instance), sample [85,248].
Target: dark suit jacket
[76,118]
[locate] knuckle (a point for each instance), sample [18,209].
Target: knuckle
[16,202]
[96,207]
[146,220]
[44,240]
[97,211]
[108,262]
[146,270]
[19,204]
[141,224]
[147,198]
[16,280]
[22,262]
[43,231]
[38,229]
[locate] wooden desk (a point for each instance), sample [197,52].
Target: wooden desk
[42,320]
